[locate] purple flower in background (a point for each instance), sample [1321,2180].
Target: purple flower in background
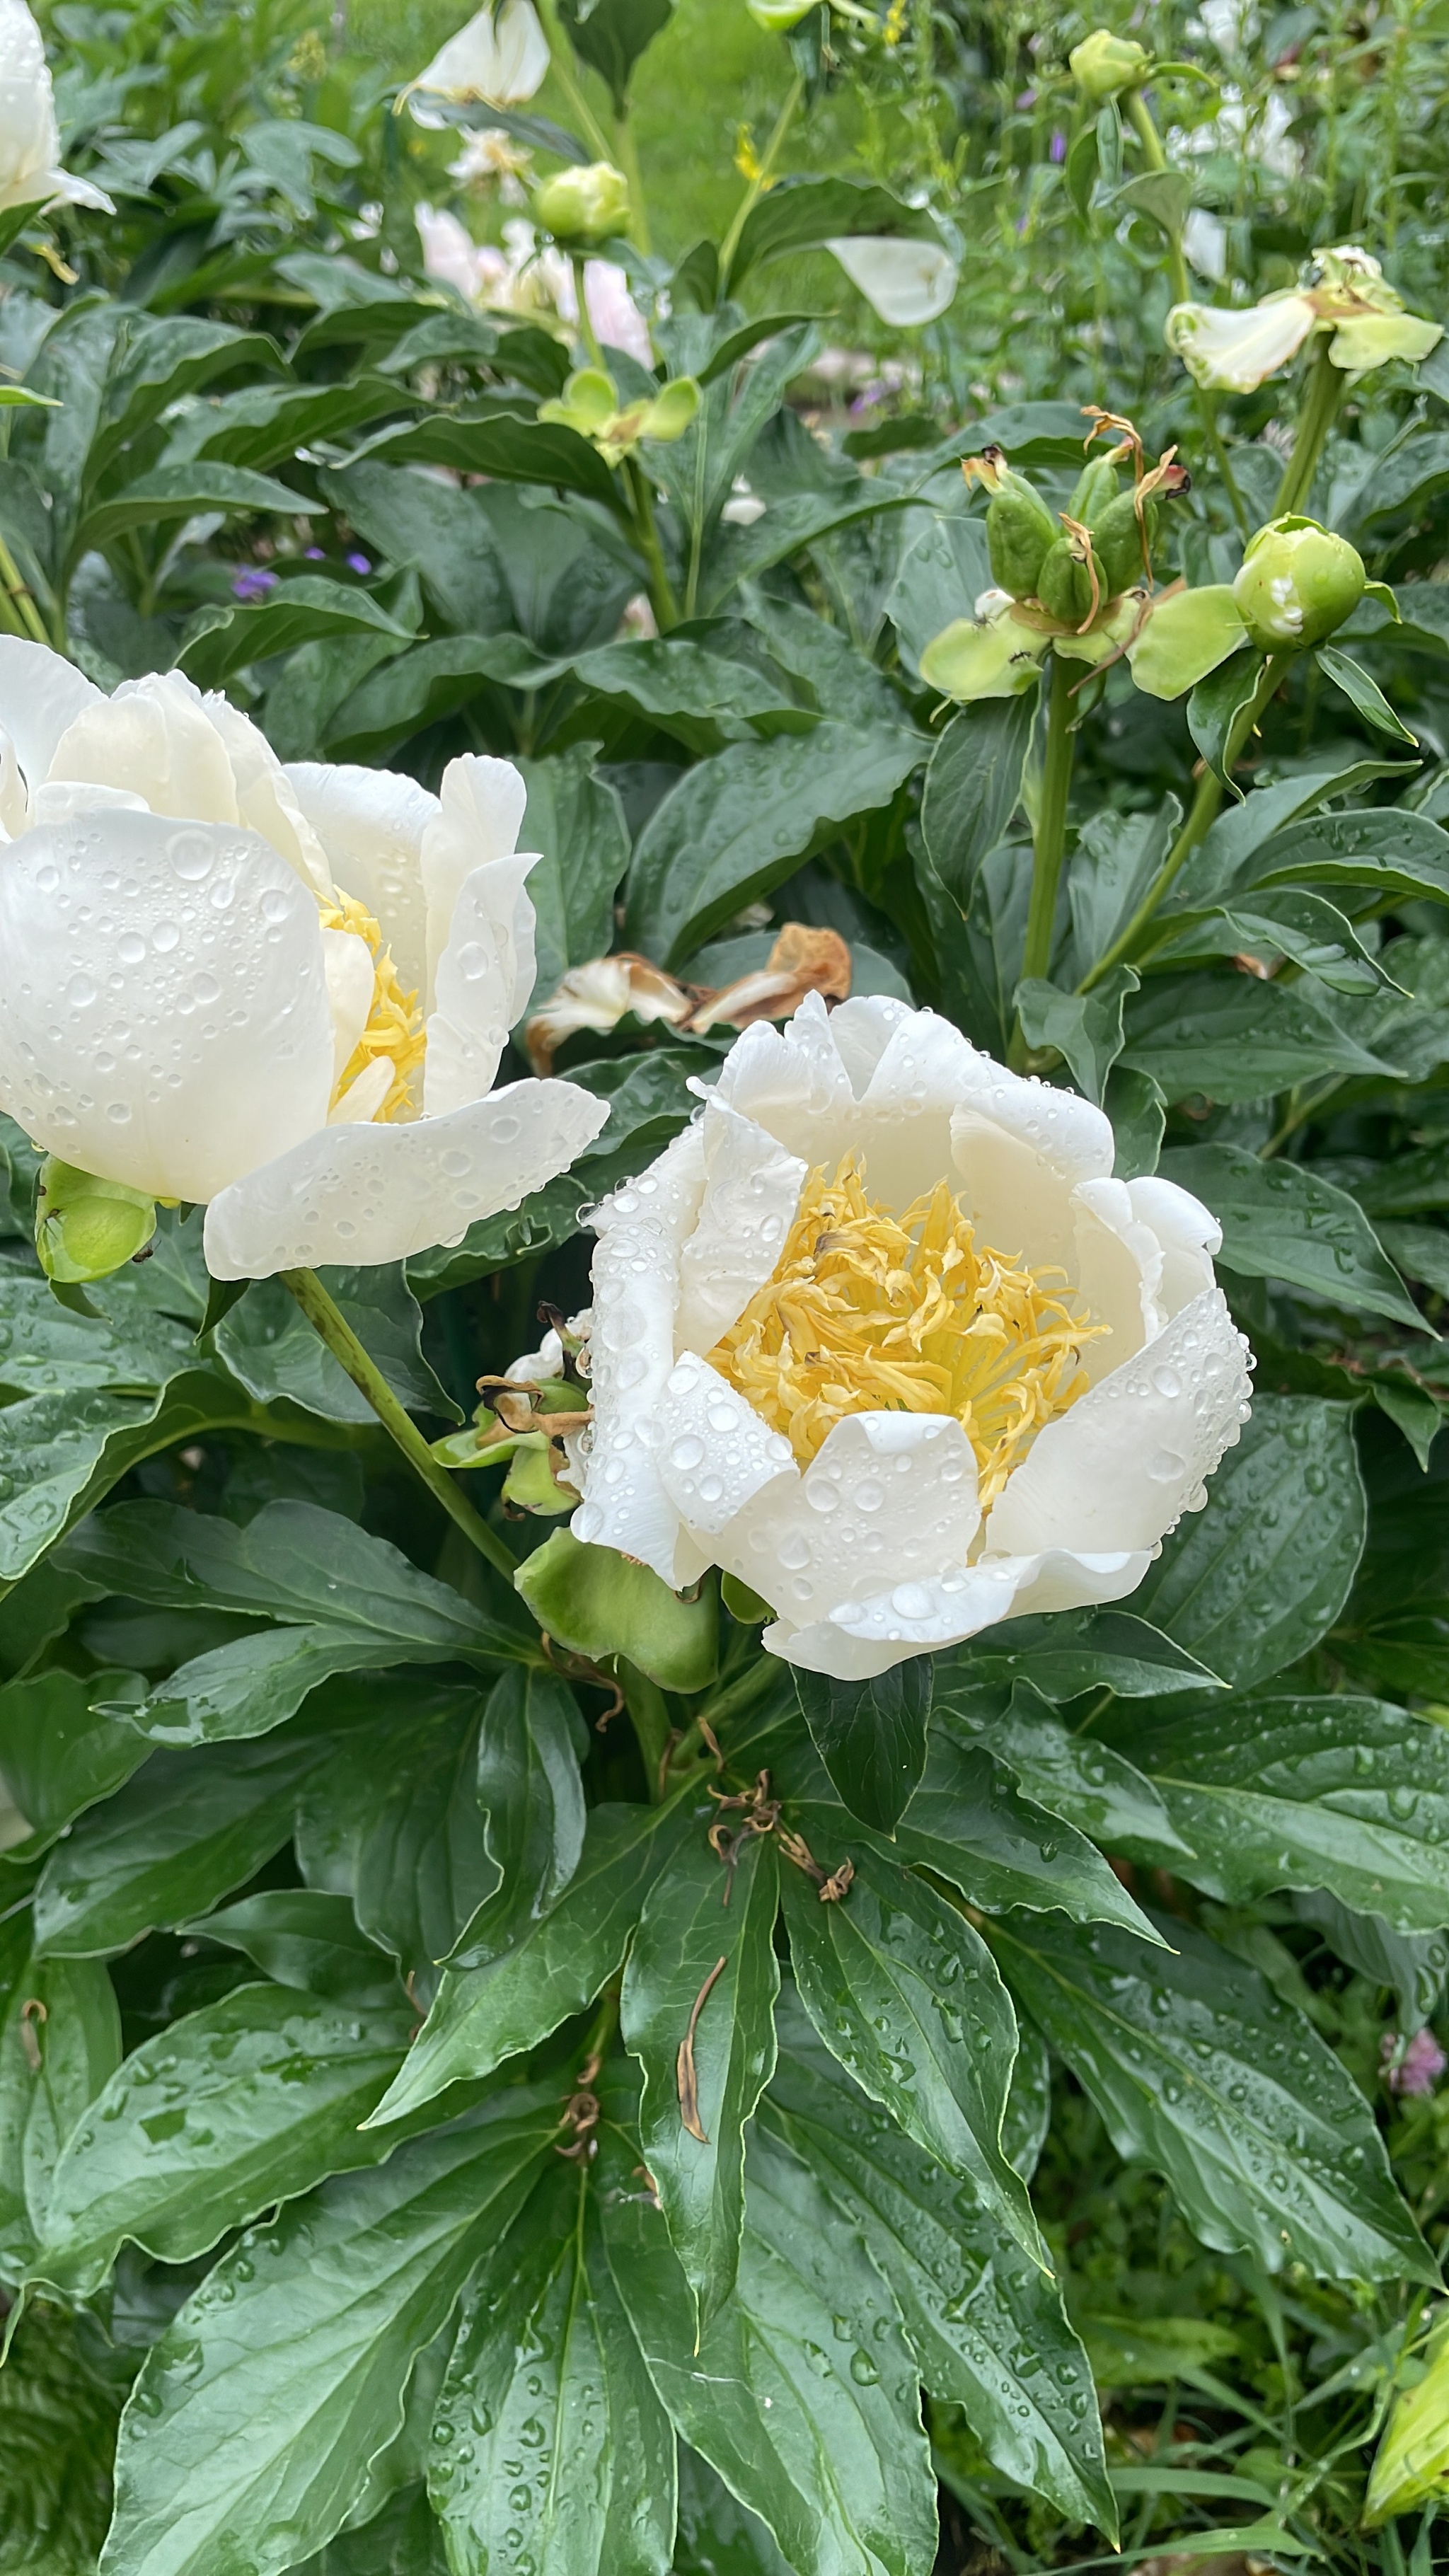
[359,563]
[253,581]
[1419,2068]
[1027,98]
[316,554]
[1059,145]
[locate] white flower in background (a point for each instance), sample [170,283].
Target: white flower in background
[30,171]
[882,1336]
[617,320]
[535,284]
[1235,349]
[491,159]
[1205,240]
[281,992]
[501,60]
[906,282]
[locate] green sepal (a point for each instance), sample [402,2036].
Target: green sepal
[595,1602]
[742,1603]
[87,1228]
[529,1484]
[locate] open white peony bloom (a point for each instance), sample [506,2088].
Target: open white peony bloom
[281,992]
[499,58]
[881,1335]
[1229,349]
[30,171]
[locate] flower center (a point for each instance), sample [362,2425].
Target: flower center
[868,1312]
[394,1025]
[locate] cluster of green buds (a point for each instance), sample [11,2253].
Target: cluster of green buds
[583,206]
[591,405]
[1076,580]
[524,1420]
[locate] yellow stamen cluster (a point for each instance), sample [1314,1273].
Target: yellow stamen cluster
[394,1022]
[866,1312]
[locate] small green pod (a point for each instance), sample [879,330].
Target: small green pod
[1020,530]
[1064,585]
[1117,539]
[1096,491]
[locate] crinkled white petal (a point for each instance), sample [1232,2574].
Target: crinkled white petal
[364,1095]
[873,1078]
[1187,1232]
[370,823]
[1063,1581]
[1119,1469]
[488,955]
[889,1496]
[365,1194]
[641,1231]
[905,282]
[156,738]
[14,801]
[1232,352]
[41,694]
[1116,1268]
[479,817]
[266,798]
[713,1452]
[59,800]
[163,1011]
[751,1192]
[922,1617]
[500,60]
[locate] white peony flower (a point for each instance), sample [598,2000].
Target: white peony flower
[500,59]
[881,1335]
[280,992]
[30,172]
[906,282]
[1345,293]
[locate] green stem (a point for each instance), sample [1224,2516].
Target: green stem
[19,599]
[1049,847]
[661,588]
[1203,814]
[763,175]
[567,78]
[649,1717]
[334,1329]
[627,147]
[1139,117]
[587,333]
[1325,391]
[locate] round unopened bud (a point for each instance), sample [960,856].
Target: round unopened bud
[1298,582]
[85,1228]
[584,205]
[1103,65]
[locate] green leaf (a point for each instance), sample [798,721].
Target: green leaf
[59,1750]
[598,2496]
[906,1994]
[704,697]
[972,790]
[574,818]
[60,2039]
[1274,922]
[1254,1580]
[737,824]
[307,1938]
[871,1736]
[986,2324]
[1236,1038]
[603,1605]
[188,1829]
[802,2394]
[610,36]
[1098,1790]
[297,612]
[1281,1221]
[348,1600]
[250,2101]
[507,445]
[394,1824]
[944,568]
[800,213]
[1363,693]
[1085,1028]
[1215,705]
[1413,1964]
[255,2416]
[719,2536]
[183,492]
[491,2010]
[1136,1108]
[1386,849]
[58,2411]
[404,2539]
[1199,2070]
[268,1344]
[1336,1792]
[1073,1651]
[532,1798]
[698,2013]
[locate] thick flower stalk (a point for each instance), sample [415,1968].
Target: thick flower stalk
[282,993]
[883,1338]
[1344,299]
[30,171]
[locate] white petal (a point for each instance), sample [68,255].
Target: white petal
[751,1192]
[370,823]
[916,1617]
[1232,352]
[487,958]
[715,1454]
[266,798]
[890,1499]
[479,817]
[872,1078]
[13,798]
[1118,1470]
[641,1230]
[59,800]
[350,981]
[364,1096]
[365,1194]
[156,738]
[1188,1233]
[905,282]
[1062,1581]
[41,694]
[1117,1272]
[502,60]
[163,1014]
[1019,1146]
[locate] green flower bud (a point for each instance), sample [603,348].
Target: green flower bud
[1103,65]
[85,1228]
[1298,583]
[584,205]
[1096,490]
[1019,530]
[1117,541]
[1065,586]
